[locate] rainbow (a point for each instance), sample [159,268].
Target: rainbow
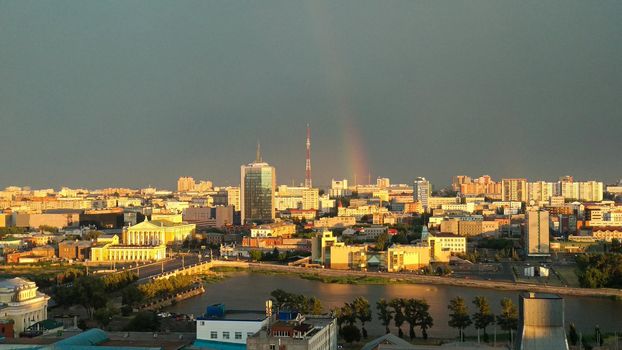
[338,85]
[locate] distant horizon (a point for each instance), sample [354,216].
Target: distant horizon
[129,94]
[297,184]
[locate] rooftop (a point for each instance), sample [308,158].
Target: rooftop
[13,283]
[532,295]
[237,315]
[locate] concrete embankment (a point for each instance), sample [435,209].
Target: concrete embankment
[169,300]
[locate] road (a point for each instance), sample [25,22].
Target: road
[145,271]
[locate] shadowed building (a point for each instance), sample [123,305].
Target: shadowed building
[537,236]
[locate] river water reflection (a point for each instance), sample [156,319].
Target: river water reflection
[246,290]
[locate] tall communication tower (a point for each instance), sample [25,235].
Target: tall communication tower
[308,182]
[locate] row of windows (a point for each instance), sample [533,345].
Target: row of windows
[227,335]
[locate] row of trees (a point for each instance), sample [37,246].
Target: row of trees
[397,311]
[299,302]
[415,312]
[274,255]
[165,286]
[88,291]
[116,281]
[483,317]
[95,293]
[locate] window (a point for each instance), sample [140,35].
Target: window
[213,335]
[238,335]
[249,334]
[202,323]
[272,347]
[225,335]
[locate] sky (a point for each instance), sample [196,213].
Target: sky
[137,93]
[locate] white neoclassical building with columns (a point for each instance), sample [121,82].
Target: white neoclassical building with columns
[145,241]
[21,302]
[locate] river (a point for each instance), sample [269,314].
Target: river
[249,291]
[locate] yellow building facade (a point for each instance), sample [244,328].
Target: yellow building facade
[320,247]
[407,257]
[122,253]
[343,257]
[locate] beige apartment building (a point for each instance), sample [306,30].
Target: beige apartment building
[537,235]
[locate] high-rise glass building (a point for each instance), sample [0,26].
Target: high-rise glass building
[258,182]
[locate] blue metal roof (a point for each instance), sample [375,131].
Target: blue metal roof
[93,336]
[216,345]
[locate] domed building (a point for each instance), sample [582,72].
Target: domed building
[21,304]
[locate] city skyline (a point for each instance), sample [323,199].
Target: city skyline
[138,103]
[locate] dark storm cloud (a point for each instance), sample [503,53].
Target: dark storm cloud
[102,93]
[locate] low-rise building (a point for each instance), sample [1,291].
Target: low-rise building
[219,326]
[281,229]
[335,222]
[36,254]
[348,257]
[310,332]
[604,233]
[74,250]
[447,242]
[299,214]
[280,243]
[407,257]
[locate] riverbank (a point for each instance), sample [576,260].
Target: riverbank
[361,277]
[249,289]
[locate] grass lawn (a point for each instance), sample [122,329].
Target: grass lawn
[569,275]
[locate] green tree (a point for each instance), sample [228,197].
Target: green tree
[47,228]
[344,314]
[483,316]
[89,292]
[508,319]
[131,295]
[362,310]
[424,319]
[104,315]
[298,302]
[279,298]
[92,234]
[382,242]
[385,314]
[398,310]
[410,314]
[314,306]
[459,316]
[400,238]
[573,337]
[144,321]
[255,255]
[351,333]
